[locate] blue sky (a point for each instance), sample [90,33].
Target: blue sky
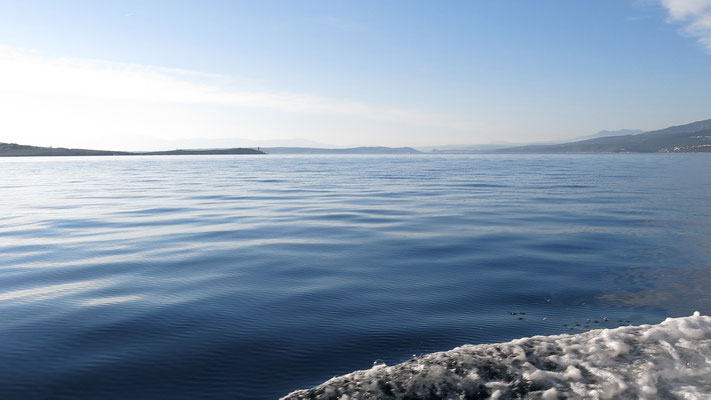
[148,74]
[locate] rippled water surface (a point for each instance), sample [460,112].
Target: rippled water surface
[250,276]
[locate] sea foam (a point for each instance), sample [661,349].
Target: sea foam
[668,360]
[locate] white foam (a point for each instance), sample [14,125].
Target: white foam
[668,360]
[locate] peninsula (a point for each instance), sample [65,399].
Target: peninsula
[19,150]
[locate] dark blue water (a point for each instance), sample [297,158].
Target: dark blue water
[251,276]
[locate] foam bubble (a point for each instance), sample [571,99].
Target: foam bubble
[670,359]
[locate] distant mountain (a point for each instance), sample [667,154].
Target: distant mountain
[19,150]
[489,147]
[697,126]
[238,150]
[143,143]
[693,137]
[466,148]
[621,132]
[351,150]
[227,143]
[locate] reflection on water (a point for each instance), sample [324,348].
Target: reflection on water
[102,301]
[41,293]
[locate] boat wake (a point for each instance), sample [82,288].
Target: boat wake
[668,360]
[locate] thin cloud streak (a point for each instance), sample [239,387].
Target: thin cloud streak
[696,17]
[636,18]
[21,72]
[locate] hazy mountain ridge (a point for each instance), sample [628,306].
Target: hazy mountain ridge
[237,150]
[606,133]
[693,137]
[349,150]
[487,147]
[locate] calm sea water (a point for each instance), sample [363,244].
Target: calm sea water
[250,276]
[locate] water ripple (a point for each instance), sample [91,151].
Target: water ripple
[249,277]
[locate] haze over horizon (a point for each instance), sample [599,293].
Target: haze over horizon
[139,76]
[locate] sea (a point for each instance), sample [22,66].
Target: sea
[251,276]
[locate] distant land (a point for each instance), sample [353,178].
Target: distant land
[472,148]
[350,150]
[19,150]
[690,138]
[620,132]
[238,150]
[488,147]
[143,143]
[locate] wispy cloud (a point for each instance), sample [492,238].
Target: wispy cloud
[695,15]
[22,72]
[636,18]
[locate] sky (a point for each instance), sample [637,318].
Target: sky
[151,74]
